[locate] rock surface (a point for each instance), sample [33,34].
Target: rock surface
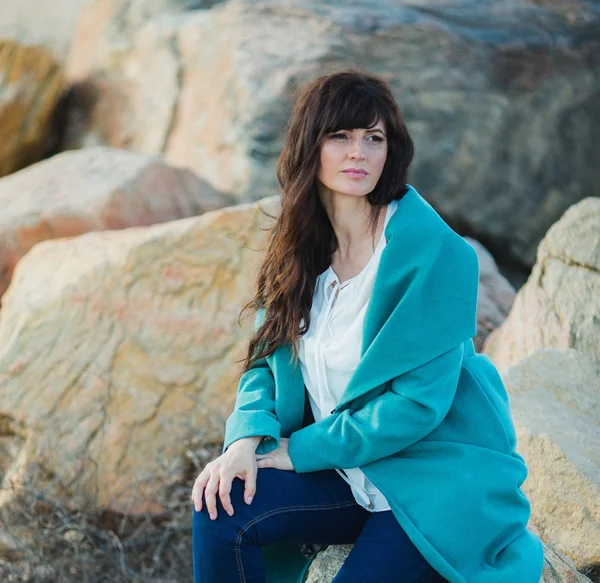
[496,295]
[103,26]
[487,107]
[31,83]
[33,22]
[555,403]
[559,306]
[54,25]
[118,353]
[91,190]
[560,569]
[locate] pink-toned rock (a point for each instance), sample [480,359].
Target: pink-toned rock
[118,354]
[103,25]
[91,190]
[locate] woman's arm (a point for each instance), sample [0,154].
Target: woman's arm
[254,410]
[414,405]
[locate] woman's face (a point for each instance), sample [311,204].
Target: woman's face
[364,150]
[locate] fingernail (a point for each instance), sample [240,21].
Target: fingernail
[212,516]
[230,512]
[248,499]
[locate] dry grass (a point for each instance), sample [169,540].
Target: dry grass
[58,545]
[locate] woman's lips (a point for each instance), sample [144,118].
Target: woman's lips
[355,174]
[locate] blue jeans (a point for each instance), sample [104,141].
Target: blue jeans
[311,508]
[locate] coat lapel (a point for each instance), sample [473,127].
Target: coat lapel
[424,298]
[423,304]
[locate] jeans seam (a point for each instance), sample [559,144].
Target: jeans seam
[238,552]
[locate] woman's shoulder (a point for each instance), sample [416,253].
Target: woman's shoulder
[419,225]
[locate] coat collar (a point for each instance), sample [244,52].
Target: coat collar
[423,303]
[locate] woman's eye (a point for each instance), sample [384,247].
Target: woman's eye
[375,138]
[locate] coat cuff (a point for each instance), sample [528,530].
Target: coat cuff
[301,449]
[242,424]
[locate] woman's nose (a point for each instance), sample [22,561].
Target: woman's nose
[356,150]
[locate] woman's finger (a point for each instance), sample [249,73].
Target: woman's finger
[210,494]
[198,489]
[224,490]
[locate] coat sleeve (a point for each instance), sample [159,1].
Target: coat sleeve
[254,410]
[414,405]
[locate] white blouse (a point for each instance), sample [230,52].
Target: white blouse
[330,350]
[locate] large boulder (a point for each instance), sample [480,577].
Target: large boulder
[557,567]
[31,83]
[91,190]
[118,355]
[53,25]
[487,105]
[103,27]
[50,24]
[555,402]
[549,352]
[559,306]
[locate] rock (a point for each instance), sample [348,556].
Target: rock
[560,569]
[491,153]
[557,567]
[496,295]
[554,401]
[40,23]
[201,4]
[559,306]
[118,356]
[31,83]
[90,190]
[327,563]
[105,26]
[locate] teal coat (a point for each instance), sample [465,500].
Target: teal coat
[424,416]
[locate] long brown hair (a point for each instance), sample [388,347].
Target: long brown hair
[302,240]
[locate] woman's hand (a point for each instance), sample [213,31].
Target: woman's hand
[237,461]
[278,458]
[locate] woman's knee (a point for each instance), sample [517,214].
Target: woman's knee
[225,528]
[210,535]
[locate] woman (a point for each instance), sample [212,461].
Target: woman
[392,434]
